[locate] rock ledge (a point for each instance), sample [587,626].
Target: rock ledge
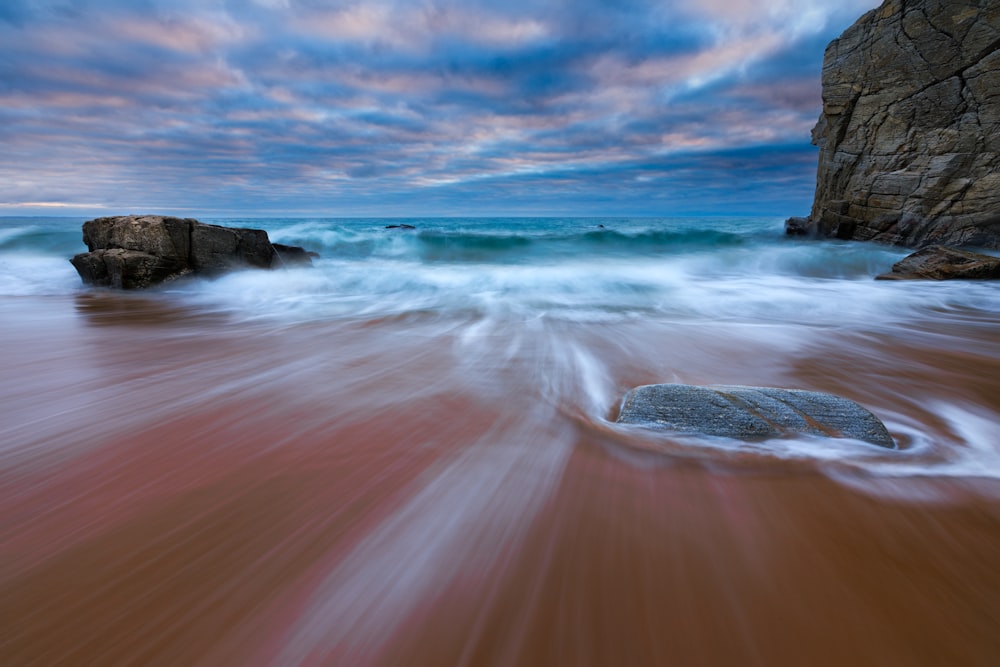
[944,263]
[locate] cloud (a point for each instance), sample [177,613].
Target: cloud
[200,34]
[367,106]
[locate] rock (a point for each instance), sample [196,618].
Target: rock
[136,251]
[291,255]
[125,269]
[402,226]
[800,227]
[750,413]
[217,249]
[944,263]
[909,135]
[154,234]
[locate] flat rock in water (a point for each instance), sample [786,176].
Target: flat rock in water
[944,263]
[750,413]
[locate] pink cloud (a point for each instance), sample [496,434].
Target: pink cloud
[408,28]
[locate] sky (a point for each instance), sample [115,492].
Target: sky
[412,108]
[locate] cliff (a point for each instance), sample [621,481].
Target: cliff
[909,135]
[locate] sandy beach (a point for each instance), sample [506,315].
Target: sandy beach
[181,487]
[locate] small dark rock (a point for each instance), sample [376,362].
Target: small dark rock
[292,255]
[800,227]
[750,413]
[944,263]
[402,226]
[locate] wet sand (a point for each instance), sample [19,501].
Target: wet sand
[183,488]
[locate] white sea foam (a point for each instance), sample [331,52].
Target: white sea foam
[973,450]
[595,290]
[36,275]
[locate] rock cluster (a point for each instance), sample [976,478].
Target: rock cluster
[909,135]
[750,413]
[137,251]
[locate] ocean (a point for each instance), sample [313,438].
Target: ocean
[407,453]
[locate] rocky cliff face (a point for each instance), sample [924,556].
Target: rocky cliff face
[909,136]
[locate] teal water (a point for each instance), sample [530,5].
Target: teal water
[572,267]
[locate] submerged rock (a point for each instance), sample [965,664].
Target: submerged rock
[909,135]
[750,413]
[137,251]
[800,227]
[944,263]
[293,255]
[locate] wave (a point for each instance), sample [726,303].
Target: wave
[42,237]
[579,269]
[438,246]
[34,256]
[10,237]
[503,242]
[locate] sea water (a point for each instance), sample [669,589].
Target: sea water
[605,268]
